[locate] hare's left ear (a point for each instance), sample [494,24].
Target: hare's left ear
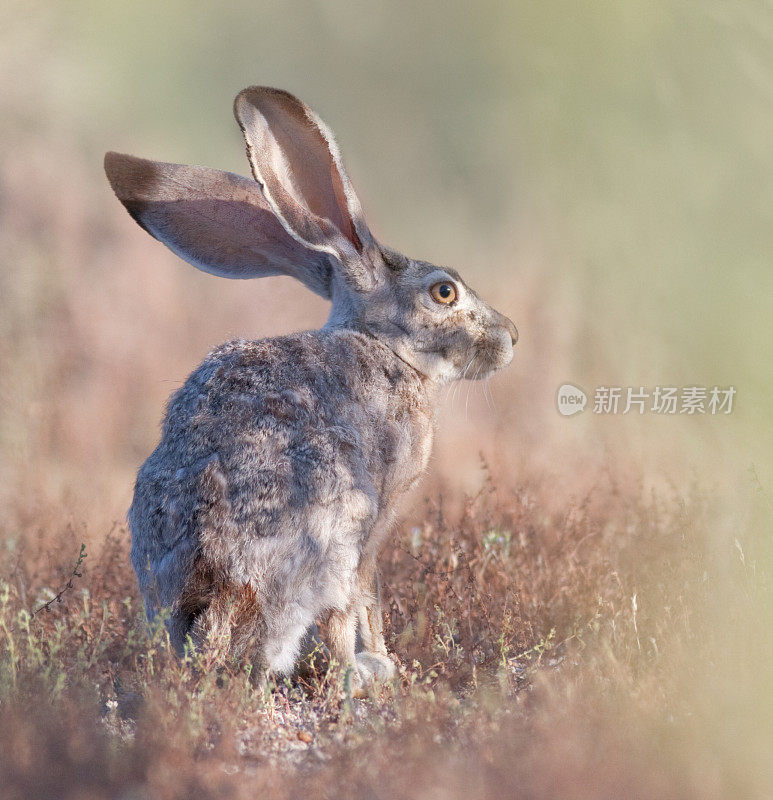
[295,158]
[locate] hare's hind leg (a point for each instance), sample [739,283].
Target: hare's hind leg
[285,632]
[229,628]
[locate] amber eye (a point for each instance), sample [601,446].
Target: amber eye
[444,292]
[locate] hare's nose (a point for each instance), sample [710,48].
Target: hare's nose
[512,329]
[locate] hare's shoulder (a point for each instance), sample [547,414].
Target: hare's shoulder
[244,370]
[317,372]
[338,386]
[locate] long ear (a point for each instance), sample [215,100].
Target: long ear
[217,221]
[294,156]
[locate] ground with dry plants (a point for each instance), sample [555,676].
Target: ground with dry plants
[575,653]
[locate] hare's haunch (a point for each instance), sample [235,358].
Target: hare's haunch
[282,461]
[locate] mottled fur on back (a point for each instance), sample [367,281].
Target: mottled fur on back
[282,461]
[276,459]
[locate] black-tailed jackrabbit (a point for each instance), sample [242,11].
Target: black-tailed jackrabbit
[282,461]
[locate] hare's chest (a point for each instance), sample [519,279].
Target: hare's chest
[395,405]
[402,446]
[403,443]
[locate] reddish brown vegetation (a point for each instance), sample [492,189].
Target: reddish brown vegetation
[544,655]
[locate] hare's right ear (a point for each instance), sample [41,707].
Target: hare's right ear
[217,221]
[295,158]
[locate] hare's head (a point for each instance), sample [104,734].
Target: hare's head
[301,217]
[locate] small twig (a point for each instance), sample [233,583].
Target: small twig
[57,598]
[427,570]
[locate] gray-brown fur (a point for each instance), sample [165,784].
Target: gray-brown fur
[282,461]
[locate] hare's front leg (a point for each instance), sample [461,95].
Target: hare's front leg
[341,637]
[341,640]
[373,661]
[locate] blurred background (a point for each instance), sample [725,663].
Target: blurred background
[600,171]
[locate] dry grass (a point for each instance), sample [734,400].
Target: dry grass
[543,655]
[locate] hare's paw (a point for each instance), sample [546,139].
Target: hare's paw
[375,667]
[371,668]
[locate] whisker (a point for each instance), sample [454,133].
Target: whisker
[464,375]
[469,386]
[487,394]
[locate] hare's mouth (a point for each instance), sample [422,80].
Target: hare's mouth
[492,355]
[485,372]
